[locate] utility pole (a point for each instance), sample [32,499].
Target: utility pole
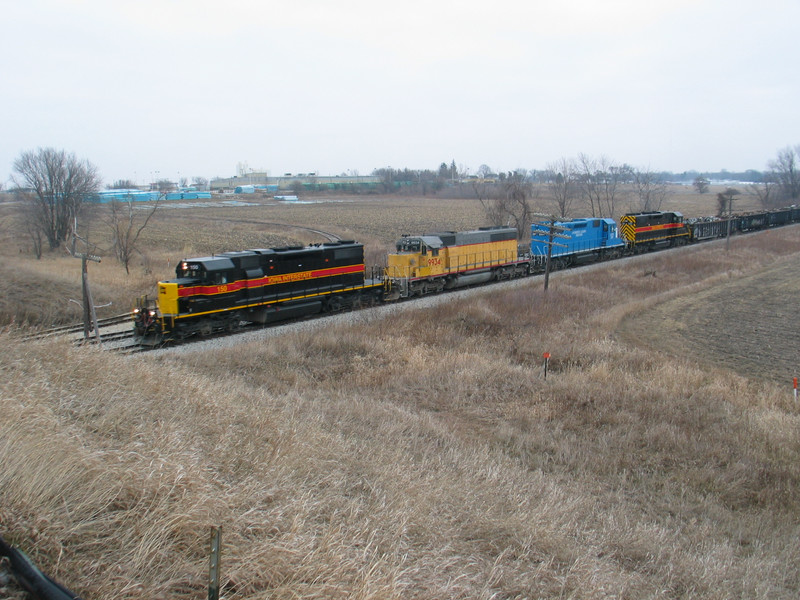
[89,312]
[730,218]
[723,197]
[552,232]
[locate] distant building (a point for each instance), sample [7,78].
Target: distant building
[288,182]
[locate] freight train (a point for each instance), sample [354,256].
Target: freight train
[219,293]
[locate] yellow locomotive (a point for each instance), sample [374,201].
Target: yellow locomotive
[437,261]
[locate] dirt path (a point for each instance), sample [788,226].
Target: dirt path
[750,325]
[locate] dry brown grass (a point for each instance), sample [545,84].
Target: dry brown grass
[417,455]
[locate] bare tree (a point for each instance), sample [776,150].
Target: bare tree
[701,184]
[599,184]
[164,185]
[562,182]
[122,184]
[486,194]
[507,202]
[54,186]
[725,201]
[513,205]
[768,192]
[481,193]
[484,172]
[127,221]
[30,221]
[650,190]
[785,171]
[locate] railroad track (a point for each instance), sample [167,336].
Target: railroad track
[121,340]
[106,337]
[76,328]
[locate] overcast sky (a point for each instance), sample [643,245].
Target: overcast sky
[150,89]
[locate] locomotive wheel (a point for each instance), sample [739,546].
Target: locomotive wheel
[334,304]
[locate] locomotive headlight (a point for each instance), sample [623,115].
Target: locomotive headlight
[136,311]
[152,313]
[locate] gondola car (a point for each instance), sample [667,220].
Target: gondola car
[779,217]
[579,241]
[711,228]
[219,292]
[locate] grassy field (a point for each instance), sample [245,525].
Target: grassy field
[420,454]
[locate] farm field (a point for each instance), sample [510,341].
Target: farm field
[747,324]
[418,454]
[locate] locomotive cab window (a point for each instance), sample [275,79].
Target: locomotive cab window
[189,270]
[409,245]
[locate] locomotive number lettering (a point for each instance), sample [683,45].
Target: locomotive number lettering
[221,289]
[435,262]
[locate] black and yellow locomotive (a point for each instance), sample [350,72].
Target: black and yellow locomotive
[645,231]
[218,293]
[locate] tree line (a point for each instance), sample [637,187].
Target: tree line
[598,186]
[54,188]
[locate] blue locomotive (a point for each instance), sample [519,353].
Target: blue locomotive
[577,241]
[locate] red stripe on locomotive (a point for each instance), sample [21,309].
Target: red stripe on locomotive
[224,288]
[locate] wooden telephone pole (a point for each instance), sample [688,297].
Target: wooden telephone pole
[89,312]
[553,231]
